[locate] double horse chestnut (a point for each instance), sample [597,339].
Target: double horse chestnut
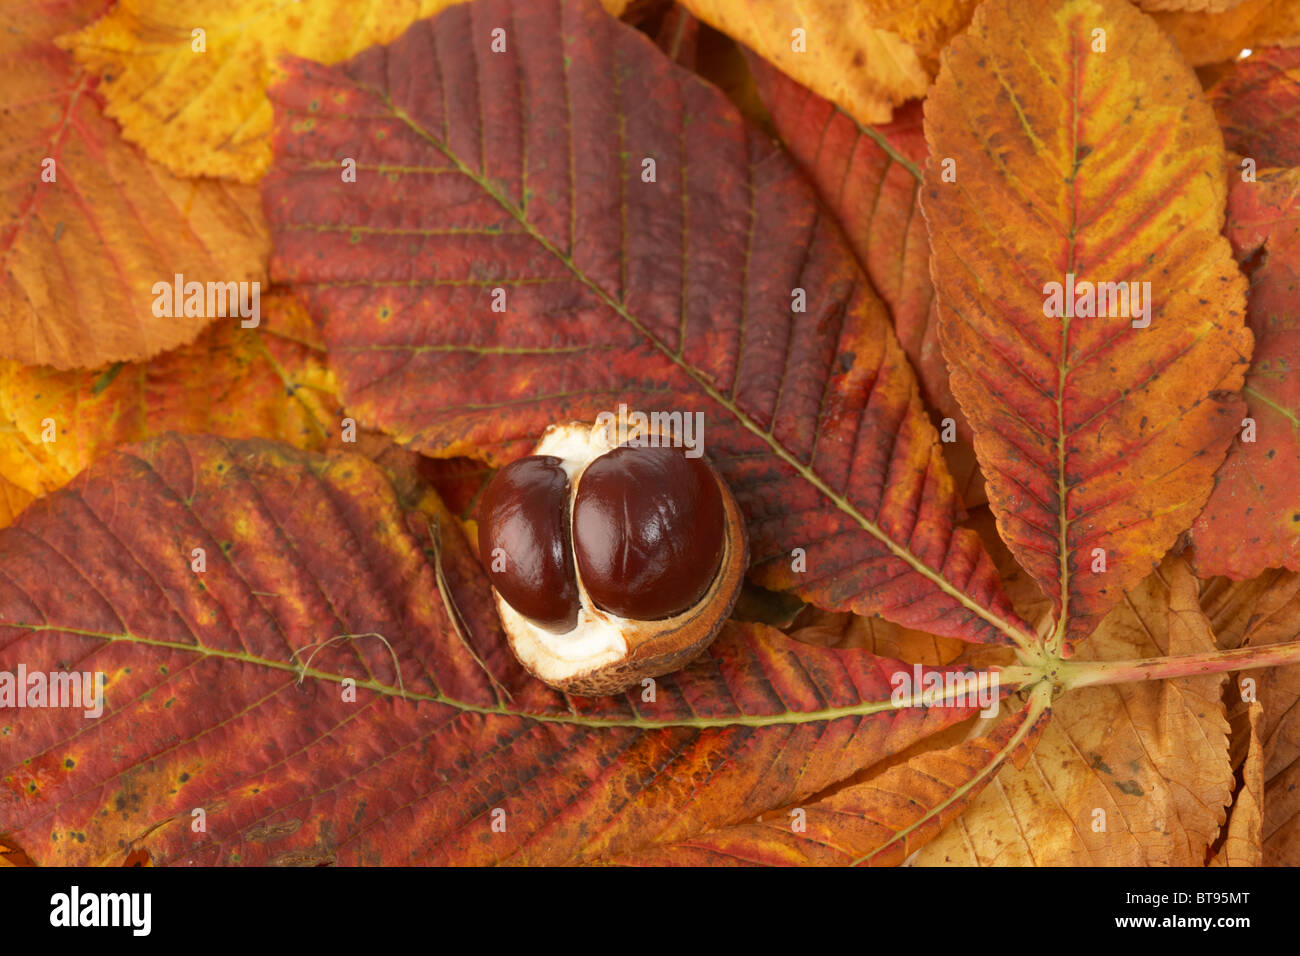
[610,563]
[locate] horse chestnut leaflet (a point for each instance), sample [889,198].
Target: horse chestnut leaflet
[610,563]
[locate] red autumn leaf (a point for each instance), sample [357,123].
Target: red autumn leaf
[647,248]
[1257,105]
[870,177]
[204,708]
[1252,520]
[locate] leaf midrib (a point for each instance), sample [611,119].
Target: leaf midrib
[1063,373]
[861,709]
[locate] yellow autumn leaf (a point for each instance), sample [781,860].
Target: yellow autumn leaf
[187,82]
[271,382]
[866,57]
[28,470]
[13,497]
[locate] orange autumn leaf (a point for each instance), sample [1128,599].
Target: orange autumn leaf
[90,224]
[1098,435]
[870,177]
[827,629]
[1210,36]
[1191,6]
[28,469]
[13,498]
[867,57]
[517,213]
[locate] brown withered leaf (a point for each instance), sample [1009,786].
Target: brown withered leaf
[1146,761]
[458,481]
[1253,609]
[1239,844]
[1098,440]
[1258,613]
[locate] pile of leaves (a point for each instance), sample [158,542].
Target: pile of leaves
[833,232]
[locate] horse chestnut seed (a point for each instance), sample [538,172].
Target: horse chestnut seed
[526,520]
[648,531]
[610,563]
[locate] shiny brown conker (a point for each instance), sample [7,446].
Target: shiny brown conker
[648,530]
[612,558]
[523,538]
